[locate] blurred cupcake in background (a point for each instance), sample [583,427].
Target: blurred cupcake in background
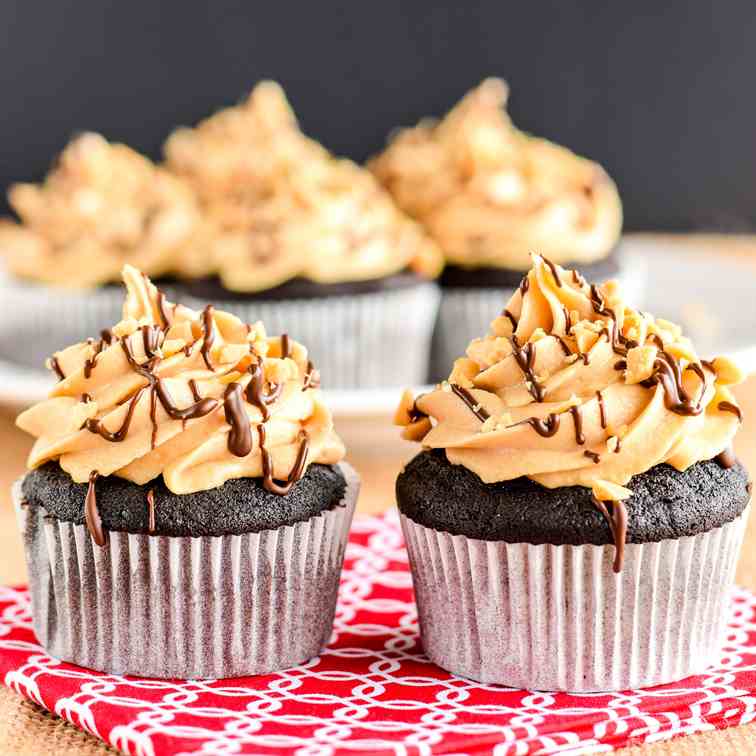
[100,206]
[490,195]
[309,243]
[187,505]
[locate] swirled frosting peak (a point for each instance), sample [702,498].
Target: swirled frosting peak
[101,205]
[573,387]
[285,208]
[197,397]
[489,194]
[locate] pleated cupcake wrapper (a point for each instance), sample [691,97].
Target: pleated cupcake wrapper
[175,607]
[353,340]
[558,618]
[466,314]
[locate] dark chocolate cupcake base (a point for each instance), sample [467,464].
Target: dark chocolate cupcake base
[238,506]
[665,504]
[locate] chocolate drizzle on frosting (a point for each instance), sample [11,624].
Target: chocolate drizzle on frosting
[554,271]
[208,335]
[730,407]
[92,514]
[240,436]
[545,427]
[525,357]
[57,369]
[312,377]
[615,514]
[505,313]
[602,409]
[269,483]
[284,346]
[474,407]
[577,418]
[256,393]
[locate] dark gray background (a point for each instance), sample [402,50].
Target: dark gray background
[664,99]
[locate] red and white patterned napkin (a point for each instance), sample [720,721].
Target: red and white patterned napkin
[372,690]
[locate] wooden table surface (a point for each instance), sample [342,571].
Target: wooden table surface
[378,466]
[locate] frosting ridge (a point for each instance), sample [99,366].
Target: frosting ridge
[489,193]
[200,398]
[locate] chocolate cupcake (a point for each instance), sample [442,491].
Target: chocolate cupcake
[490,195]
[308,242]
[574,520]
[187,508]
[100,206]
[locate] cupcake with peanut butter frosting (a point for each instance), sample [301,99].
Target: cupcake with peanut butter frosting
[575,516]
[490,195]
[102,205]
[187,505]
[308,240]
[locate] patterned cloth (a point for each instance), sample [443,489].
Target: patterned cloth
[372,690]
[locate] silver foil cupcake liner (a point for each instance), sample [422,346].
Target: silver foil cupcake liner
[175,607]
[558,618]
[466,314]
[349,337]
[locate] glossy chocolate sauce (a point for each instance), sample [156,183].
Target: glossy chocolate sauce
[730,407]
[269,483]
[615,514]
[92,514]
[151,511]
[208,335]
[474,406]
[525,359]
[240,436]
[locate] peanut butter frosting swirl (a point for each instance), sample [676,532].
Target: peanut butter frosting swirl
[100,206]
[285,208]
[197,397]
[489,194]
[573,387]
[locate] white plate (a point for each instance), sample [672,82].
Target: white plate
[711,298]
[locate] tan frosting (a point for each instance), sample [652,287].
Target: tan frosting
[100,206]
[490,194]
[197,454]
[633,424]
[285,208]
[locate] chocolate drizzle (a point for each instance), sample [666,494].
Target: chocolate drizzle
[730,407]
[151,338]
[208,335]
[577,418]
[91,362]
[676,399]
[269,483]
[284,346]
[240,436]
[525,358]
[92,514]
[617,521]
[256,393]
[593,456]
[726,459]
[95,426]
[151,511]
[312,377]
[505,313]
[545,427]
[602,409]
[475,407]
[524,286]
[57,369]
[554,271]
[165,316]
